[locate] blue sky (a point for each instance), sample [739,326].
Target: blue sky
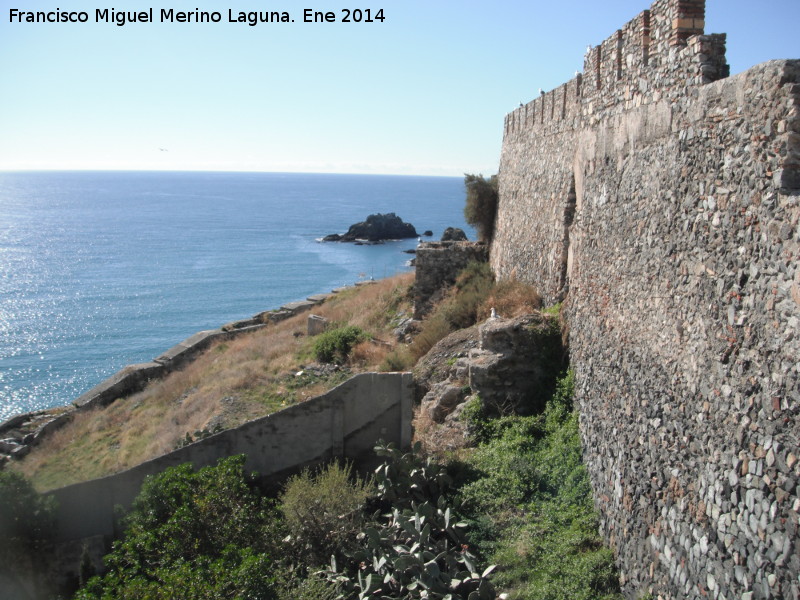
[423,92]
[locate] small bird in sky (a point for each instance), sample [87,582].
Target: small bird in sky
[163,150]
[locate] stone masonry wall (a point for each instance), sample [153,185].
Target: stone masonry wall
[664,208]
[437,266]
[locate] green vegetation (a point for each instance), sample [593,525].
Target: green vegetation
[415,545]
[322,512]
[526,492]
[334,345]
[418,528]
[26,518]
[205,534]
[26,525]
[553,310]
[480,210]
[212,534]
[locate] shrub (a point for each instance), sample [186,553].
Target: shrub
[509,475]
[205,534]
[399,359]
[323,512]
[313,587]
[416,549]
[237,573]
[474,416]
[26,519]
[334,345]
[557,555]
[480,209]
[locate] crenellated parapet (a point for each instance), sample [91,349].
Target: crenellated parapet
[658,53]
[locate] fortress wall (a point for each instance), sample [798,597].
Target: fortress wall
[684,339]
[666,213]
[528,244]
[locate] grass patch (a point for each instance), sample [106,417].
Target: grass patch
[553,310]
[512,298]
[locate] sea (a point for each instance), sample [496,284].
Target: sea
[99,270]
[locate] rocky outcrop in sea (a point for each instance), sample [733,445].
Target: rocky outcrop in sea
[454,234]
[376,228]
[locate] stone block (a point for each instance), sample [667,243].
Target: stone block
[299,306]
[318,298]
[277,316]
[129,380]
[437,266]
[787,179]
[180,353]
[242,324]
[316,324]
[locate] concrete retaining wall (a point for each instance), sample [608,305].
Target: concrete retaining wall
[346,422]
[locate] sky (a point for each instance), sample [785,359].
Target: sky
[423,92]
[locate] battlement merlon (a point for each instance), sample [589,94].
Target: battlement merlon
[657,53]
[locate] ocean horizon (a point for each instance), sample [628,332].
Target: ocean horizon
[101,269]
